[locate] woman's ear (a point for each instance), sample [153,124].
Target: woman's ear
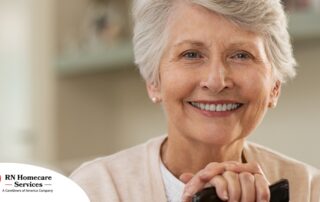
[274,94]
[154,92]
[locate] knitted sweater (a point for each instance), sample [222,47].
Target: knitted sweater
[134,175]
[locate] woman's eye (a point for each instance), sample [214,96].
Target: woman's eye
[242,56]
[192,55]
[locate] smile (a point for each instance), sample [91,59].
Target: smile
[216,107]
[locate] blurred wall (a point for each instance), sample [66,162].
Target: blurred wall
[26,81]
[15,80]
[101,113]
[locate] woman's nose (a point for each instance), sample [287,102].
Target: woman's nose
[216,79]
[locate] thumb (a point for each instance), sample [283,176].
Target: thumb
[186,177]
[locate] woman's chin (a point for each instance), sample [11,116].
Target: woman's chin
[215,139]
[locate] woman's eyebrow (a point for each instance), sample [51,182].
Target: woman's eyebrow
[245,44]
[242,44]
[190,42]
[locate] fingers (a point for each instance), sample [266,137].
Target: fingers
[186,177]
[193,186]
[262,188]
[221,186]
[234,186]
[248,188]
[233,182]
[251,167]
[250,172]
[197,183]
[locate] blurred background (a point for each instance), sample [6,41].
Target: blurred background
[69,91]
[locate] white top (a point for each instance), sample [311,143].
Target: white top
[173,186]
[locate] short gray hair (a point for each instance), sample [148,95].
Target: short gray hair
[265,17]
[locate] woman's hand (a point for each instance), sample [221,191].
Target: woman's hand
[233,182]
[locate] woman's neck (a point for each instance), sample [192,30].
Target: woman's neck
[184,155]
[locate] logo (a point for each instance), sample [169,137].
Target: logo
[27,183]
[30,183]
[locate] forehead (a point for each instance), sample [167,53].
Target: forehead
[193,22]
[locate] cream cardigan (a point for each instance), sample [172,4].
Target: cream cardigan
[133,175]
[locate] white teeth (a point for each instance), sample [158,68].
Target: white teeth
[224,108]
[212,107]
[219,108]
[207,107]
[216,107]
[229,107]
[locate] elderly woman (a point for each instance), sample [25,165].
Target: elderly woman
[216,66]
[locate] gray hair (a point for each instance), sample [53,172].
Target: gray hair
[265,17]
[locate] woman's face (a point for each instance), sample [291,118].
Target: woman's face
[215,78]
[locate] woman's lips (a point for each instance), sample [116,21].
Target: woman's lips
[221,107]
[216,108]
